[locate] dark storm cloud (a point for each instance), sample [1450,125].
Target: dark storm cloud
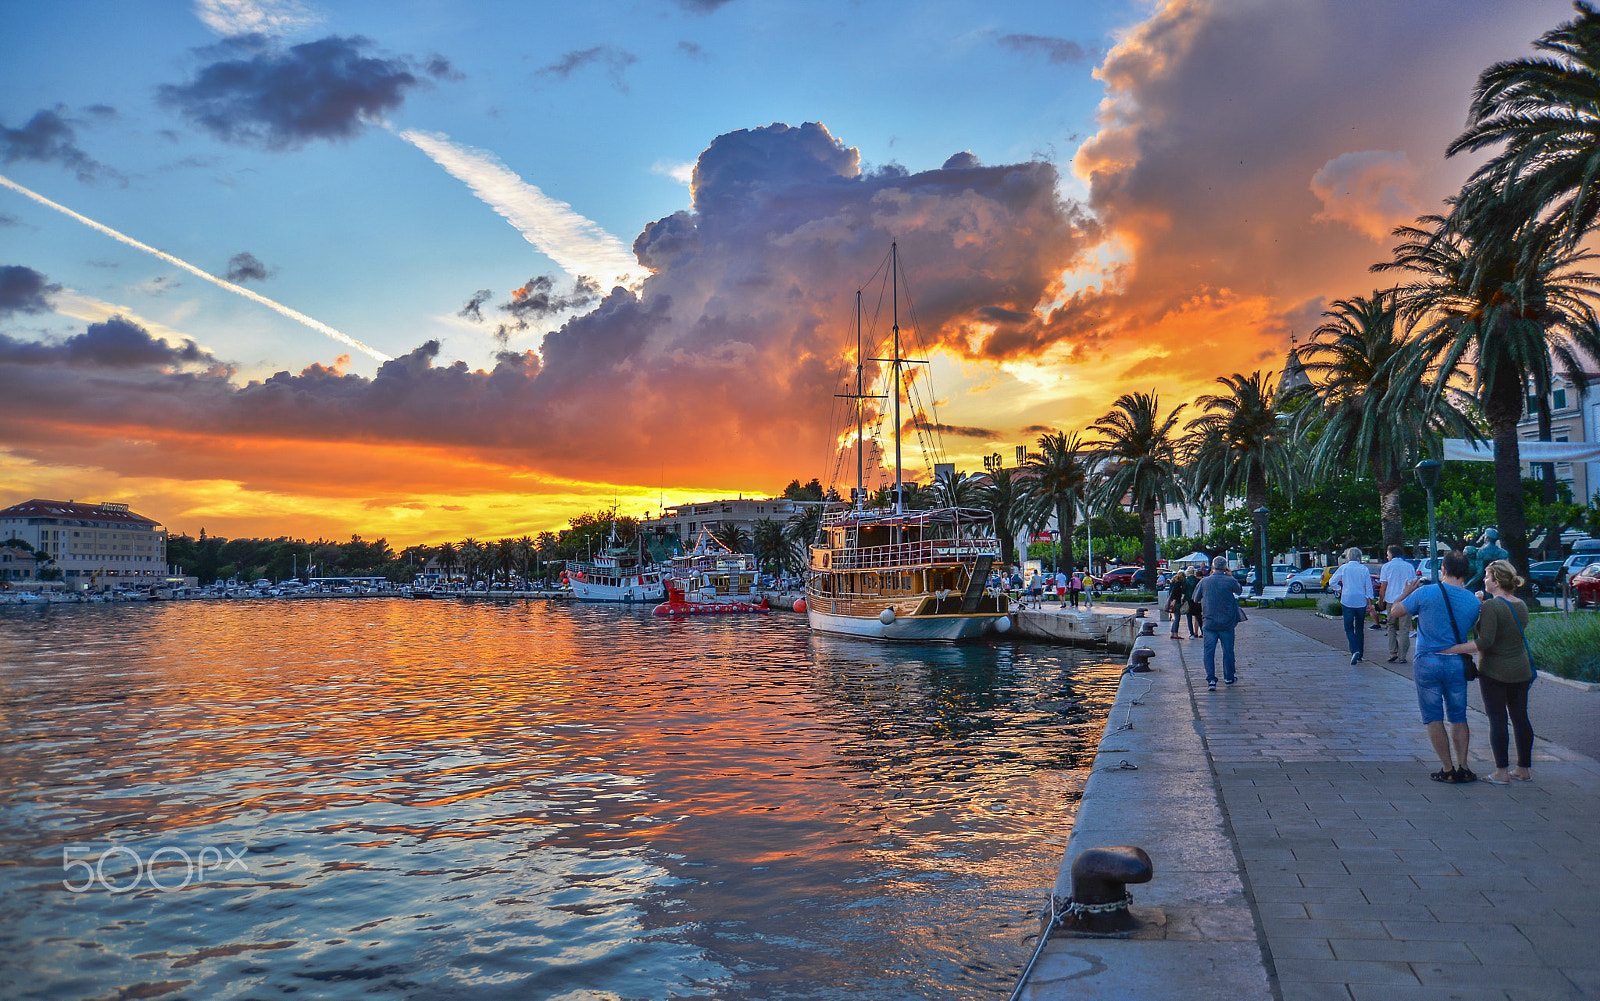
[280,99]
[244,266]
[473,310]
[23,290]
[1038,429]
[1059,51]
[955,430]
[48,137]
[734,342]
[117,343]
[608,58]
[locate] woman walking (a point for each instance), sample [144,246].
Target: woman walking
[1506,672]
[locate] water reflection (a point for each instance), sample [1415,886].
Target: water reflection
[439,800]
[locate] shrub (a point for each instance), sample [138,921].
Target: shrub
[1567,644]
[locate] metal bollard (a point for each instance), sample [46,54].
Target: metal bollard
[1141,660]
[1138,613]
[1148,628]
[1100,897]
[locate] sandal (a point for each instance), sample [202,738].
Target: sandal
[1444,775]
[1464,775]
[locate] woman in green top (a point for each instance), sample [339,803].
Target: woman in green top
[1505,672]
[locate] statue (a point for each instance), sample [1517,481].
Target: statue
[1486,553]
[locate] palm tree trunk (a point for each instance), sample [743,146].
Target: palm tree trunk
[1502,407]
[1547,480]
[1066,523]
[1389,506]
[1152,551]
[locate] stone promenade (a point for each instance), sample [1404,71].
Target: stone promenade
[1364,878]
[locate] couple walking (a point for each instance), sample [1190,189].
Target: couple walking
[1353,584]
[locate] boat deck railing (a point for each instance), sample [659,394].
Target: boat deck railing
[909,554]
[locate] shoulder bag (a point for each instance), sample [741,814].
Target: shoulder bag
[1513,610]
[1469,667]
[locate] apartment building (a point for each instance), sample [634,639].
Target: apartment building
[100,545]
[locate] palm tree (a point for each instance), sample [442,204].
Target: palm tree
[1144,463]
[447,560]
[1544,115]
[527,558]
[732,536]
[1505,308]
[952,488]
[1239,446]
[471,553]
[1058,476]
[802,531]
[1006,498]
[768,541]
[1364,415]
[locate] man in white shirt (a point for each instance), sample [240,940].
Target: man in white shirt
[1392,579]
[1353,584]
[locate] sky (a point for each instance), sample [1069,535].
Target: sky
[425,270]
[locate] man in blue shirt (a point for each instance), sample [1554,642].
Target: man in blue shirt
[1445,614]
[1219,604]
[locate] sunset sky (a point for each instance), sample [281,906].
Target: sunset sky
[425,270]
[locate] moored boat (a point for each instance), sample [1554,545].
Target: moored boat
[712,578]
[616,575]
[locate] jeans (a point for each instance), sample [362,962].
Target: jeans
[1354,617]
[1441,687]
[1209,651]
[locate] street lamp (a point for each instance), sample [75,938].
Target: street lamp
[1264,575]
[1428,475]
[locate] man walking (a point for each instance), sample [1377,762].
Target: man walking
[1353,584]
[1392,581]
[1218,593]
[1445,614]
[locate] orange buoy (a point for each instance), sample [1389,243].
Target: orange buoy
[800,605]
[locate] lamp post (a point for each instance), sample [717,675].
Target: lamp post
[1428,475]
[1264,575]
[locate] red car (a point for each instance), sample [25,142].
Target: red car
[1586,586]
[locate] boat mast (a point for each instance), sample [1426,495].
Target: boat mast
[861,444]
[899,499]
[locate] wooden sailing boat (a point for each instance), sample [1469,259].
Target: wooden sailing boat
[896,574]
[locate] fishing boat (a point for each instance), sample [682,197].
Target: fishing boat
[712,579]
[898,574]
[618,574]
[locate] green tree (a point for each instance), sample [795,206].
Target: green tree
[1144,463]
[953,488]
[732,536]
[803,530]
[771,553]
[1058,477]
[1502,310]
[1241,445]
[810,492]
[1364,414]
[1007,500]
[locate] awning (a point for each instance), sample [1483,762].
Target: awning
[1195,558]
[1462,450]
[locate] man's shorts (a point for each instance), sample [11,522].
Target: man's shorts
[1441,687]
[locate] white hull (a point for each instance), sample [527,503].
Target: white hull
[909,628]
[633,594]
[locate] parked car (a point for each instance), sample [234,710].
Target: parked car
[1307,580]
[1280,573]
[1544,575]
[1586,586]
[1121,578]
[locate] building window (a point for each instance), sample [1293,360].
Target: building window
[1558,399]
[1174,528]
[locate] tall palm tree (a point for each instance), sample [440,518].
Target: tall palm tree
[1239,446]
[1006,497]
[1543,113]
[447,560]
[1508,310]
[1058,476]
[527,558]
[1364,414]
[471,553]
[1144,462]
[953,488]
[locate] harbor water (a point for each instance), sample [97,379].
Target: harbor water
[409,799]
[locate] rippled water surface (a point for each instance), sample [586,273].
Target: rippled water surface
[416,799]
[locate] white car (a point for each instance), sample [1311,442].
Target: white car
[1305,580]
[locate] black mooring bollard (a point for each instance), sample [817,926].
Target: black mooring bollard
[1100,897]
[1148,628]
[1141,659]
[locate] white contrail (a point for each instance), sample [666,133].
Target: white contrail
[279,307]
[578,245]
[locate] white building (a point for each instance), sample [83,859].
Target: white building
[685,521]
[101,545]
[1574,417]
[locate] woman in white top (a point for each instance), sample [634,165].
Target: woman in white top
[1353,584]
